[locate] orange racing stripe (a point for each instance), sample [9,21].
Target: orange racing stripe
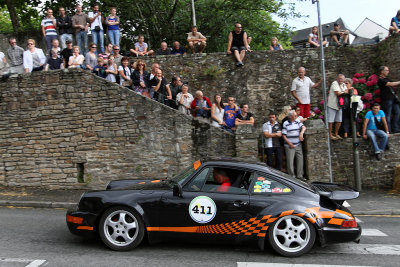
[192,229]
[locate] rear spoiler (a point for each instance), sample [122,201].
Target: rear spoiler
[335,192]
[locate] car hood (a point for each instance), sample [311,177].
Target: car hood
[148,185]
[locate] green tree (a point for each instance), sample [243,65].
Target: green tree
[170,20]
[23,16]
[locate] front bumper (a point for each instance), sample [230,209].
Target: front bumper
[81,223]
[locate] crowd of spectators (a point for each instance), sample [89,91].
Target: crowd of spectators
[284,131]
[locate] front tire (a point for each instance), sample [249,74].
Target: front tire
[291,236]
[121,228]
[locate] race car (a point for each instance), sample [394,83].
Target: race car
[219,200]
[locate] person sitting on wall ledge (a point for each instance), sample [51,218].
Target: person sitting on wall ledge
[375,125]
[237,44]
[163,50]
[313,38]
[395,24]
[141,48]
[245,117]
[196,40]
[339,37]
[177,49]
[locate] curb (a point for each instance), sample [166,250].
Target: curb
[38,204]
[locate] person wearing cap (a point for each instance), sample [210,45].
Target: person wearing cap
[64,25]
[66,53]
[339,37]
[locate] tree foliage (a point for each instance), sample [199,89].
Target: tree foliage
[170,20]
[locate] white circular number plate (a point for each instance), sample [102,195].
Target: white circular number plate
[202,209]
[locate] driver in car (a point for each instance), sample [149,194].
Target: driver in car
[221,178]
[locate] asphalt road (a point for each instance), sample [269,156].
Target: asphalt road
[39,237]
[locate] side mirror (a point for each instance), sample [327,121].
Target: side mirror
[177,190]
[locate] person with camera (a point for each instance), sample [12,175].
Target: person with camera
[390,101]
[96,26]
[375,125]
[184,99]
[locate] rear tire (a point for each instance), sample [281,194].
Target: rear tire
[121,228]
[291,236]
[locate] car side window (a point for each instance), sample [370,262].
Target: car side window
[198,181]
[264,184]
[225,180]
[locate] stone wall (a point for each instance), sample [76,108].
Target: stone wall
[56,125]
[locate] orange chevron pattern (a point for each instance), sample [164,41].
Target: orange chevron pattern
[259,225]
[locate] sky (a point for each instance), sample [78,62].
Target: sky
[353,12]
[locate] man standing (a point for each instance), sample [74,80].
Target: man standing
[231,111]
[338,88]
[390,101]
[292,132]
[64,24]
[80,22]
[196,40]
[15,56]
[49,28]
[245,117]
[339,37]
[301,91]
[375,126]
[272,133]
[237,44]
[96,26]
[175,87]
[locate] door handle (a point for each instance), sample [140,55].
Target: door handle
[239,203]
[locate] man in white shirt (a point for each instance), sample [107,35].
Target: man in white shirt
[96,26]
[301,91]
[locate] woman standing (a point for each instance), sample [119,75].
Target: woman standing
[91,58]
[33,58]
[217,111]
[141,79]
[112,22]
[125,73]
[76,60]
[111,70]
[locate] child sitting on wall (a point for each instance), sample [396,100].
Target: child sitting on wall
[100,68]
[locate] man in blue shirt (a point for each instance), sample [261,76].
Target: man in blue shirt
[230,113]
[375,125]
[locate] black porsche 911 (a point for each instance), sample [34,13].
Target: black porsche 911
[219,200]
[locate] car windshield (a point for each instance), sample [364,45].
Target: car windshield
[180,177]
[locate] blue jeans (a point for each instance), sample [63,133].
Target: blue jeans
[388,107]
[372,134]
[49,39]
[63,38]
[82,35]
[114,36]
[98,39]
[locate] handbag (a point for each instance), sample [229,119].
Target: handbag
[97,28]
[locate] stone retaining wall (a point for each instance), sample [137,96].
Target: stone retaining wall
[57,124]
